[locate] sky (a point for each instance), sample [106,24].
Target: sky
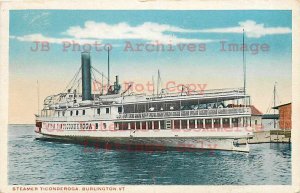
[199,39]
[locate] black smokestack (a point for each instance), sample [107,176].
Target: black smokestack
[86,76]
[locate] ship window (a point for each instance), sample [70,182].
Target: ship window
[76,112]
[226,123]
[200,123]
[58,113]
[96,125]
[176,124]
[132,125]
[119,109]
[83,112]
[71,113]
[149,124]
[120,126]
[192,124]
[156,124]
[162,124]
[104,125]
[217,123]
[63,113]
[138,125]
[183,124]
[98,111]
[123,126]
[144,125]
[235,122]
[208,123]
[107,110]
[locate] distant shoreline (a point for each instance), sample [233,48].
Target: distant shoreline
[20,124]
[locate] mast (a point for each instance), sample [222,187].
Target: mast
[274,98]
[102,84]
[244,71]
[108,73]
[153,85]
[158,81]
[244,62]
[38,96]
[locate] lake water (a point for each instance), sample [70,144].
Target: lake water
[33,162]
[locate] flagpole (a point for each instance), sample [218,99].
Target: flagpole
[38,96]
[244,71]
[244,62]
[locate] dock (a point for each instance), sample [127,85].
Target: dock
[272,136]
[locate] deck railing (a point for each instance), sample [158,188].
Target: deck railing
[187,113]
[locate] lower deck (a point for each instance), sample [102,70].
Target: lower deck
[222,131]
[150,124]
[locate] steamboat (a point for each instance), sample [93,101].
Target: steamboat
[213,119]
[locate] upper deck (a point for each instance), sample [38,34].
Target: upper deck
[67,100]
[218,102]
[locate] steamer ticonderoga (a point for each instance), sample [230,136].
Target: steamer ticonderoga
[212,119]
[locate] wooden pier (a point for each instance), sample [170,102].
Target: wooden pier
[273,136]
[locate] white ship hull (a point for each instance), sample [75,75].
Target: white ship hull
[161,139]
